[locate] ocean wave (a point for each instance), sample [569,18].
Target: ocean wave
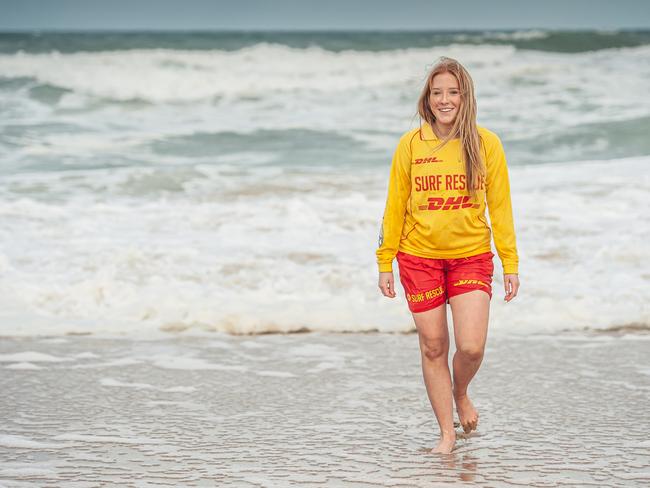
[240,189]
[537,39]
[264,71]
[234,259]
[523,35]
[172,156]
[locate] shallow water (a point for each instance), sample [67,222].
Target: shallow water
[316,409]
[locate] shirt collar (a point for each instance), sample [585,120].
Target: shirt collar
[426,133]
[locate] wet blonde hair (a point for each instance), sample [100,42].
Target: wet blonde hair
[465,124]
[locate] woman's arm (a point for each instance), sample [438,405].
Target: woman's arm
[500,208]
[499,205]
[399,192]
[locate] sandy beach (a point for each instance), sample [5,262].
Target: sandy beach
[318,409]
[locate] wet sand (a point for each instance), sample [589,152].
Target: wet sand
[335,410]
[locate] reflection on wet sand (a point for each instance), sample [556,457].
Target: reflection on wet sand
[346,410]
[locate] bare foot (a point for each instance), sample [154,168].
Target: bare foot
[467,414]
[445,445]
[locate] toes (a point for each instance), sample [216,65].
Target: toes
[470,425]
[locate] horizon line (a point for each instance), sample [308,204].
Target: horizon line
[319,30]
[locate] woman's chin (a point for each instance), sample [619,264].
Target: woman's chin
[445,122]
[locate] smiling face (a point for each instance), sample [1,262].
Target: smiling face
[445,101]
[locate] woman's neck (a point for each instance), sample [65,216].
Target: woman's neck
[442,131]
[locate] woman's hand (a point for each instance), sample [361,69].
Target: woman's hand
[387,284]
[511,284]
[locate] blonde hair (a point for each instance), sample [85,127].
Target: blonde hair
[465,124]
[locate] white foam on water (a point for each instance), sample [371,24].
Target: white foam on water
[114,382]
[220,345]
[252,345]
[31,356]
[189,363]
[23,365]
[180,389]
[86,355]
[20,442]
[276,374]
[162,75]
[145,386]
[116,439]
[314,350]
[303,258]
[15,469]
[360,94]
[106,364]
[324,366]
[103,233]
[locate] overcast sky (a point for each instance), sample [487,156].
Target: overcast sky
[321,14]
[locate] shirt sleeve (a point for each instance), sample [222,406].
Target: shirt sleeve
[500,206]
[399,192]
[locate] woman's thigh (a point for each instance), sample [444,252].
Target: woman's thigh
[433,332]
[470,312]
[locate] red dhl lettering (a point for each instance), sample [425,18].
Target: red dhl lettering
[451,203]
[428,160]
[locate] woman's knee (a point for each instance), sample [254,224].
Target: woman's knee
[435,348]
[471,351]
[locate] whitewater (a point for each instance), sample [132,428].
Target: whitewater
[156,190]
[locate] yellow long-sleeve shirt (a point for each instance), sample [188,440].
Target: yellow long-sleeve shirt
[429,212]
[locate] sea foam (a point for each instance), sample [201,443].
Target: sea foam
[303,258]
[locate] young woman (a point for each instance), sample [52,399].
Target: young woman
[443,176]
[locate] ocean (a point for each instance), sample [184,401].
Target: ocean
[197,182]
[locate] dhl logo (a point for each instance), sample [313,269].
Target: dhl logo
[428,160]
[426,295]
[451,203]
[469,282]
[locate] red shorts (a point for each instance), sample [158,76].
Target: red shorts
[428,283]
